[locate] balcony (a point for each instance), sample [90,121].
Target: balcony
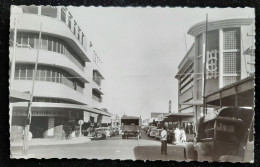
[26,55]
[50,90]
[32,22]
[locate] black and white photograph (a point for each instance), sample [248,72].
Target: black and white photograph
[132,83]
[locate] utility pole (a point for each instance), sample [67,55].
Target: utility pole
[29,113]
[12,73]
[204,71]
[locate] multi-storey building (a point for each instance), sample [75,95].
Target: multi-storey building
[68,84]
[230,58]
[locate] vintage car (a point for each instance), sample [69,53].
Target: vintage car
[105,130]
[153,132]
[221,134]
[248,155]
[149,130]
[98,135]
[158,134]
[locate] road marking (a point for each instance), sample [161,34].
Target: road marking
[117,151]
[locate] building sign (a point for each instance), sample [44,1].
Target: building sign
[212,64]
[41,113]
[50,131]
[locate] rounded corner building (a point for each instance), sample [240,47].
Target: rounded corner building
[230,51]
[69,74]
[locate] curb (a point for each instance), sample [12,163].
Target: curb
[46,142]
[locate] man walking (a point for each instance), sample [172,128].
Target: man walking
[164,141]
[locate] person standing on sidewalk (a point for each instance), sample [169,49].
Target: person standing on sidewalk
[164,141]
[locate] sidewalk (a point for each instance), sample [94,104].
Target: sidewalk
[37,142]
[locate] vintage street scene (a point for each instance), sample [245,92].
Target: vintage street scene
[132,83]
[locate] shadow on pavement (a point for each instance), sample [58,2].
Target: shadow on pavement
[175,153]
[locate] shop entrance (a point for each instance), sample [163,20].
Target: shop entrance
[38,126]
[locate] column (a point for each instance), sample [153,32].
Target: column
[67,17]
[39,10]
[59,12]
[203,61]
[221,42]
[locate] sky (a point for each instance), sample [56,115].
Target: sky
[141,49]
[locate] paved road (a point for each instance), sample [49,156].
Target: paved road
[112,148]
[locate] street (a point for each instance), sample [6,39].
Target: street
[112,148]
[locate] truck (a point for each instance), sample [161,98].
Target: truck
[222,136]
[131,126]
[226,133]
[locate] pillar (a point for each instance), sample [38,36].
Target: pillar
[221,42]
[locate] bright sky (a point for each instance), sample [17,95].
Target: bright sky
[141,49]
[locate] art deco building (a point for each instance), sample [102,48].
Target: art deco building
[68,85]
[230,58]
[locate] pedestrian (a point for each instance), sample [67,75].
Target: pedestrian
[164,141]
[182,135]
[177,135]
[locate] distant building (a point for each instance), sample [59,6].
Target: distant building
[156,114]
[68,85]
[230,58]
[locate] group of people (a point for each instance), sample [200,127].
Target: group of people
[179,134]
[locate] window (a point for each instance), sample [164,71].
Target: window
[31,40]
[54,46]
[23,72]
[19,38]
[58,47]
[62,49]
[25,40]
[17,72]
[63,16]
[74,30]
[42,74]
[213,40]
[227,80]
[30,73]
[53,77]
[49,11]
[44,43]
[30,9]
[231,63]
[48,77]
[36,43]
[231,38]
[69,20]
[49,44]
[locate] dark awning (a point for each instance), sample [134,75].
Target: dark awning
[172,117]
[243,89]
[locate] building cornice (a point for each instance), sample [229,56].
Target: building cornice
[213,25]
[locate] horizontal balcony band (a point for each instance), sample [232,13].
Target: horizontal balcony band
[39,106]
[26,55]
[50,90]
[32,22]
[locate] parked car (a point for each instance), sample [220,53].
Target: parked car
[149,130]
[116,131]
[105,130]
[153,132]
[158,134]
[99,135]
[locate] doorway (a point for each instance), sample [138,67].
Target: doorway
[39,125]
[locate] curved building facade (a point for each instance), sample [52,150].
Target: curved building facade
[230,58]
[69,73]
